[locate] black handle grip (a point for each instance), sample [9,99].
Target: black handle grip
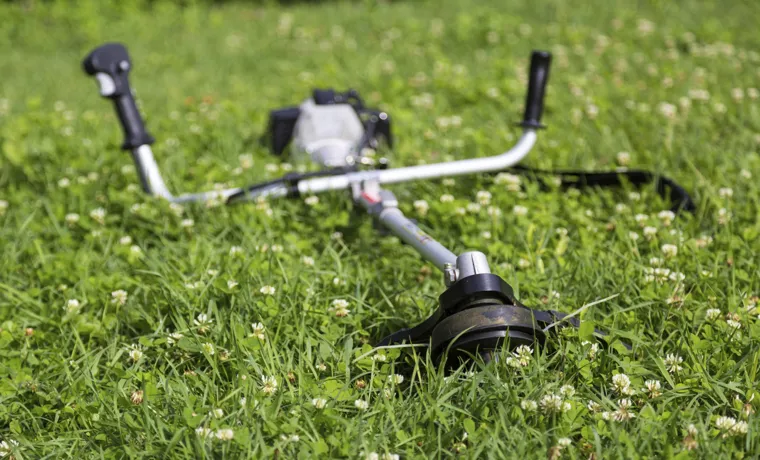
[534,102]
[110,64]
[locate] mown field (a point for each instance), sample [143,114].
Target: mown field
[131,328]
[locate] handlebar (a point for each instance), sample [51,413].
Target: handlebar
[110,64]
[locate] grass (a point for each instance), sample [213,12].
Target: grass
[73,384]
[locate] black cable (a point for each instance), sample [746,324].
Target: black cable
[666,187]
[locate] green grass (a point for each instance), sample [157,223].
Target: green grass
[206,78]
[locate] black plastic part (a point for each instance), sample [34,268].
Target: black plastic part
[483,330]
[282,122]
[324,96]
[534,102]
[476,287]
[382,126]
[113,60]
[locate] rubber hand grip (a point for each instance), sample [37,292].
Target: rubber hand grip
[110,65]
[539,76]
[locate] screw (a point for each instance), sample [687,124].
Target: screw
[449,274]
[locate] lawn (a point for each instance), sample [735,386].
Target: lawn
[131,328]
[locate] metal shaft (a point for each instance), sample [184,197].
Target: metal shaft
[429,249]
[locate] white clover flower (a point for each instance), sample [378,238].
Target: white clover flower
[340,303]
[231,284]
[641,219]
[177,209]
[667,110]
[421,206]
[135,249]
[692,430]
[208,348]
[621,208]
[203,322]
[655,261]
[119,297]
[187,223]
[203,432]
[623,158]
[473,208]
[493,211]
[634,196]
[235,250]
[291,438]
[98,215]
[568,391]
[653,387]
[125,240]
[745,174]
[395,379]
[447,198]
[730,426]
[71,218]
[258,331]
[269,385]
[633,236]
[276,248]
[319,403]
[669,250]
[312,200]
[308,261]
[216,413]
[483,197]
[512,181]
[523,354]
[134,353]
[726,192]
[193,285]
[561,231]
[173,338]
[712,314]
[523,263]
[361,404]
[552,403]
[593,349]
[673,363]
[621,383]
[379,357]
[724,216]
[736,325]
[338,282]
[336,236]
[486,235]
[623,413]
[529,405]
[460,211]
[650,232]
[593,406]
[72,306]
[520,210]
[64,182]
[341,312]
[564,442]
[267,290]
[225,434]
[666,217]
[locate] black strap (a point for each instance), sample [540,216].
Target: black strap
[666,187]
